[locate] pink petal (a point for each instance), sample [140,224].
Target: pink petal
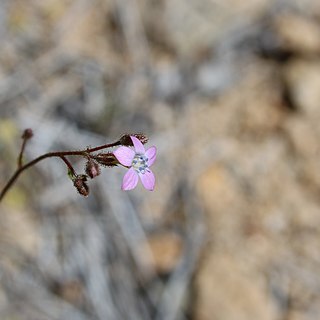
[130,180]
[148,180]
[124,155]
[138,146]
[151,154]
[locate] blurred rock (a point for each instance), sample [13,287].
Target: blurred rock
[216,76]
[303,136]
[166,248]
[168,80]
[196,26]
[230,292]
[298,33]
[19,229]
[224,201]
[303,80]
[71,291]
[302,129]
[82,32]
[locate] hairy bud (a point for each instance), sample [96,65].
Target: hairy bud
[27,134]
[125,140]
[92,168]
[106,159]
[80,183]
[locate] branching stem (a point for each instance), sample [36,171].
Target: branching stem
[60,154]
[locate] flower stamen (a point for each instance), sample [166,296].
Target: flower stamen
[139,163]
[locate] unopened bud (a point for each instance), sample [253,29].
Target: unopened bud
[80,183]
[92,168]
[125,140]
[106,159]
[27,134]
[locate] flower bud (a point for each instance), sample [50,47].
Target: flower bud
[80,183]
[27,134]
[92,168]
[125,140]
[106,159]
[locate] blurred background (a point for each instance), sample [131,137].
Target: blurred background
[229,92]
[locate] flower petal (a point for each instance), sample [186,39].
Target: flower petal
[151,154]
[148,180]
[124,155]
[138,146]
[130,180]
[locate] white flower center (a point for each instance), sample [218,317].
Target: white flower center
[140,163]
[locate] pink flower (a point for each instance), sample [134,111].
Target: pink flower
[139,162]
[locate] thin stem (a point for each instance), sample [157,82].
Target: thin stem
[27,135]
[69,165]
[60,154]
[105,146]
[21,152]
[31,163]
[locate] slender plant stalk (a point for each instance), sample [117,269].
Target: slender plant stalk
[68,164]
[105,146]
[60,154]
[21,152]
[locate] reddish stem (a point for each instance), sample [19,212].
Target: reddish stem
[60,154]
[105,146]
[68,164]
[21,152]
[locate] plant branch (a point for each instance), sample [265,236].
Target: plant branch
[27,135]
[60,154]
[69,165]
[105,146]
[21,153]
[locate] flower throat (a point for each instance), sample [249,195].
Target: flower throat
[139,163]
